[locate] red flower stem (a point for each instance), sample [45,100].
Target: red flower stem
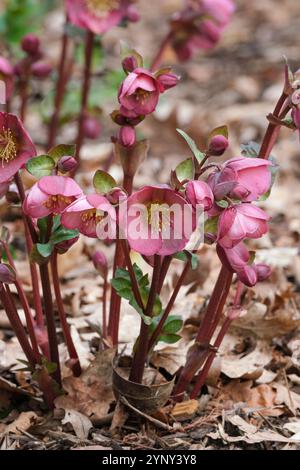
[163,272]
[159,56]
[62,80]
[30,237]
[273,129]
[204,372]
[104,307]
[24,82]
[134,283]
[115,299]
[23,299]
[76,368]
[140,356]
[205,333]
[12,314]
[89,43]
[169,307]
[50,320]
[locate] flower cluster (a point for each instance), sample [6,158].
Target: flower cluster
[199,25]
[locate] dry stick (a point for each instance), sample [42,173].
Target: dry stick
[139,359]
[76,368]
[159,56]
[63,76]
[12,314]
[85,90]
[23,299]
[169,307]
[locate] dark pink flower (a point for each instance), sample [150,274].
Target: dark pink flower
[41,69]
[51,195]
[86,213]
[217,145]
[199,193]
[239,222]
[7,76]
[100,263]
[92,127]
[242,178]
[159,221]
[99,16]
[67,164]
[16,147]
[30,44]
[139,92]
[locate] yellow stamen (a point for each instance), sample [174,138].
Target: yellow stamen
[158,216]
[141,95]
[91,215]
[100,8]
[53,201]
[8,146]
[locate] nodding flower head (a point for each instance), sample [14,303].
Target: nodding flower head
[99,16]
[51,195]
[86,213]
[16,147]
[157,221]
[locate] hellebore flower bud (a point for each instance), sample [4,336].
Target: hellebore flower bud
[92,128]
[7,274]
[218,145]
[127,136]
[100,263]
[199,193]
[263,272]
[129,64]
[30,44]
[67,164]
[41,69]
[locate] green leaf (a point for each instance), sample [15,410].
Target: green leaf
[186,256]
[44,249]
[62,150]
[103,182]
[223,204]
[220,130]
[63,234]
[40,166]
[169,338]
[173,324]
[51,367]
[185,170]
[192,144]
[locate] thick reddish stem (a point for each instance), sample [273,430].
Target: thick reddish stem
[169,307]
[75,363]
[140,357]
[104,307]
[89,43]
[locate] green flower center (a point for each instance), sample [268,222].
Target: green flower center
[8,146]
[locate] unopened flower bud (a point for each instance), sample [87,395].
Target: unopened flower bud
[127,136]
[92,128]
[30,44]
[67,164]
[132,14]
[116,196]
[100,263]
[7,274]
[263,272]
[218,145]
[129,64]
[41,69]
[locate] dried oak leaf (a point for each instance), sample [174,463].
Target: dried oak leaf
[90,394]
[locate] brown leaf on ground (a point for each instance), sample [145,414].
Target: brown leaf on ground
[24,422]
[91,394]
[79,422]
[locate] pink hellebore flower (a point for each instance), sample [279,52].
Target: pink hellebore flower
[139,92]
[7,76]
[238,260]
[242,178]
[239,222]
[99,16]
[51,195]
[159,221]
[86,213]
[199,193]
[16,147]
[219,10]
